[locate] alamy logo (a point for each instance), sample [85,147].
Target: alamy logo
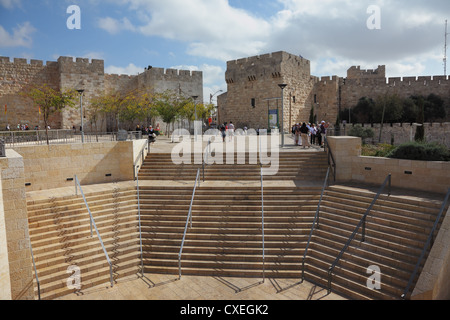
[374,21]
[74,21]
[374,281]
[213,149]
[74,281]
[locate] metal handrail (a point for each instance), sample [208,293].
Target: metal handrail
[262,227]
[316,220]
[428,244]
[77,184]
[362,223]
[140,227]
[189,219]
[331,161]
[35,272]
[206,158]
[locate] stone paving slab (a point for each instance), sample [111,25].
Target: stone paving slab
[169,288]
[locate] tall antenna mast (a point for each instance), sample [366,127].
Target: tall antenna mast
[445,50]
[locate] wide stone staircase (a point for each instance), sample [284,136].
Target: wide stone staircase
[291,166]
[226,234]
[396,233]
[61,239]
[226,237]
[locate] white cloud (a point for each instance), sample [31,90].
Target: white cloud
[21,36]
[114,26]
[9,4]
[332,34]
[212,28]
[131,70]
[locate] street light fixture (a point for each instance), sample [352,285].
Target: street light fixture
[81,91]
[195,116]
[282,86]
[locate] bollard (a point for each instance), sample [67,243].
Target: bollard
[2,149]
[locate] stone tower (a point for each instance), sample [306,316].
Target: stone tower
[254,92]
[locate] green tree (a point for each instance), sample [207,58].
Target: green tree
[169,106]
[392,106]
[50,101]
[363,112]
[311,115]
[420,131]
[363,133]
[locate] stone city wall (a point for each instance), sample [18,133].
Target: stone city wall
[400,133]
[80,73]
[374,84]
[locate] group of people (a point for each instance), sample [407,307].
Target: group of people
[309,134]
[21,127]
[227,130]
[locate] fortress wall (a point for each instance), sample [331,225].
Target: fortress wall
[79,73]
[184,82]
[374,84]
[15,77]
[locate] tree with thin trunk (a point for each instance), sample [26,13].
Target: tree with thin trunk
[50,101]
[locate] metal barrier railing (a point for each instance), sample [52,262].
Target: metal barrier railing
[206,158]
[315,222]
[92,222]
[428,244]
[39,137]
[362,223]
[189,219]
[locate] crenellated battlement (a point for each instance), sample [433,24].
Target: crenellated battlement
[421,80]
[24,62]
[355,72]
[80,65]
[270,65]
[173,73]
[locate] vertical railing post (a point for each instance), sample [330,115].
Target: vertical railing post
[262,227]
[140,228]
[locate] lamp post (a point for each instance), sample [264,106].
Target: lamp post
[195,117]
[81,110]
[282,86]
[211,96]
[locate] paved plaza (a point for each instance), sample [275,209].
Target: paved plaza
[168,287]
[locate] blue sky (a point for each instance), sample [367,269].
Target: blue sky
[203,34]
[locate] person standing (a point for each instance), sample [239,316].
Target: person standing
[312,130]
[230,131]
[304,133]
[223,131]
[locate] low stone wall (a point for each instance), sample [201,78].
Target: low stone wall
[400,133]
[430,176]
[16,277]
[434,282]
[49,167]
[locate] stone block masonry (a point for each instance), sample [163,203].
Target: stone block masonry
[80,73]
[252,81]
[16,277]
